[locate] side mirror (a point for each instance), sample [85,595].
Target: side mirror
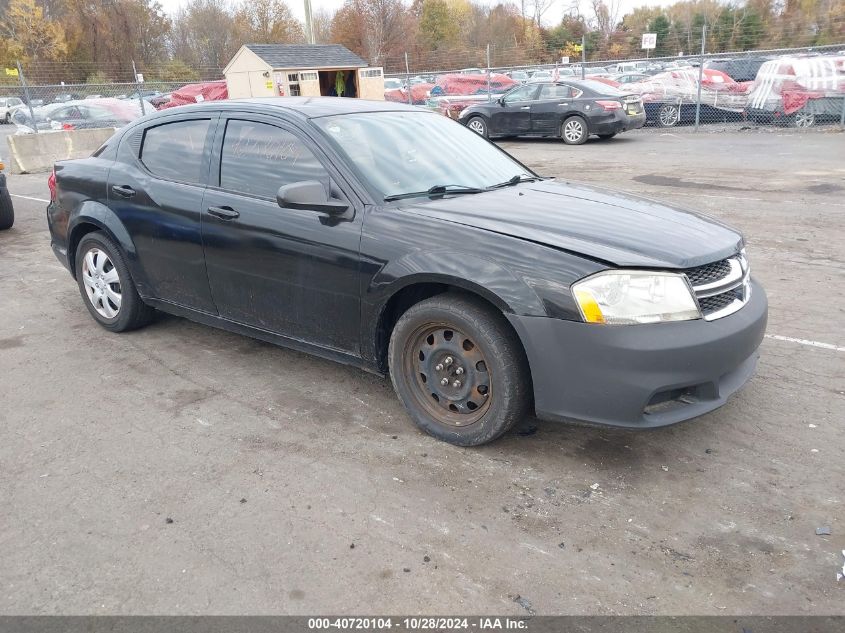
[501,101]
[308,195]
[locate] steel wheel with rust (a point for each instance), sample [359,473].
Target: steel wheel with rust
[459,369]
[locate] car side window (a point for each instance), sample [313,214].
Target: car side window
[175,151]
[258,158]
[553,91]
[523,93]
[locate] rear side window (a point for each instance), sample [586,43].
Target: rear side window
[552,91]
[175,151]
[259,158]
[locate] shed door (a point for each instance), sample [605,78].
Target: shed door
[309,83]
[371,83]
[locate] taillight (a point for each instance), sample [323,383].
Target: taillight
[51,183]
[68,126]
[609,105]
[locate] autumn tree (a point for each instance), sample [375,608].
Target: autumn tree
[26,34]
[204,34]
[268,22]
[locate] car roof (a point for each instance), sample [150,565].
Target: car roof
[306,107]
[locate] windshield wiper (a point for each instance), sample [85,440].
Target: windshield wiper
[515,181]
[436,190]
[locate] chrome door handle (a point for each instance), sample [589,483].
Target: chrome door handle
[525,108]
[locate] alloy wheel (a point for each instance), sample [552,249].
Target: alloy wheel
[102,283]
[573,130]
[804,119]
[448,373]
[477,126]
[669,115]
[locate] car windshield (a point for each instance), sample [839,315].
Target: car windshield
[405,152]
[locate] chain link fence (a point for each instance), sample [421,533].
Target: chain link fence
[790,87]
[766,89]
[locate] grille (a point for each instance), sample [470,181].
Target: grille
[709,305]
[708,273]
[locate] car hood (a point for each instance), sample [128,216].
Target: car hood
[616,228]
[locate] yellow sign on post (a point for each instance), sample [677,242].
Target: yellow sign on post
[12,72]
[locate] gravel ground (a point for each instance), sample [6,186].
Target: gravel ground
[184,470]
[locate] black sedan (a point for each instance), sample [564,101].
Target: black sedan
[571,110]
[393,239]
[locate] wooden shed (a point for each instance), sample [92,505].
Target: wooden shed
[293,70]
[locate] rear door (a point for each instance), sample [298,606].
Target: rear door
[513,116]
[289,271]
[553,102]
[156,188]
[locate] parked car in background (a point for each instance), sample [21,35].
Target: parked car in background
[7,106]
[93,96]
[540,75]
[738,69]
[630,67]
[160,100]
[64,98]
[471,71]
[628,78]
[7,210]
[392,83]
[81,114]
[597,71]
[568,109]
[518,75]
[391,239]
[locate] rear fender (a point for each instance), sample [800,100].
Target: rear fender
[91,213]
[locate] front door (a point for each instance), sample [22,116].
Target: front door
[289,271]
[513,116]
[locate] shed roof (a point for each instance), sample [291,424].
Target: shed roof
[307,56]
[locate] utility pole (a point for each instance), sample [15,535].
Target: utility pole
[309,23]
[700,79]
[408,80]
[28,100]
[583,55]
[488,74]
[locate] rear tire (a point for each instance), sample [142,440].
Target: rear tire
[7,211]
[574,130]
[479,126]
[459,369]
[106,286]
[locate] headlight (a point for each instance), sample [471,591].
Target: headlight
[625,297]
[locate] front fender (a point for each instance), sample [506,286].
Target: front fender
[474,273]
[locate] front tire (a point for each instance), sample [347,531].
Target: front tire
[107,287]
[802,120]
[574,131]
[7,211]
[459,370]
[669,115]
[478,125]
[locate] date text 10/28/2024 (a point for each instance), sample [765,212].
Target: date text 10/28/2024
[418,624]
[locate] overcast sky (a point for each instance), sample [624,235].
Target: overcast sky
[551,17]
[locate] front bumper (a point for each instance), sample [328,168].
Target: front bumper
[641,376]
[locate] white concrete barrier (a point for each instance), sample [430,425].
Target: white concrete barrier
[33,153]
